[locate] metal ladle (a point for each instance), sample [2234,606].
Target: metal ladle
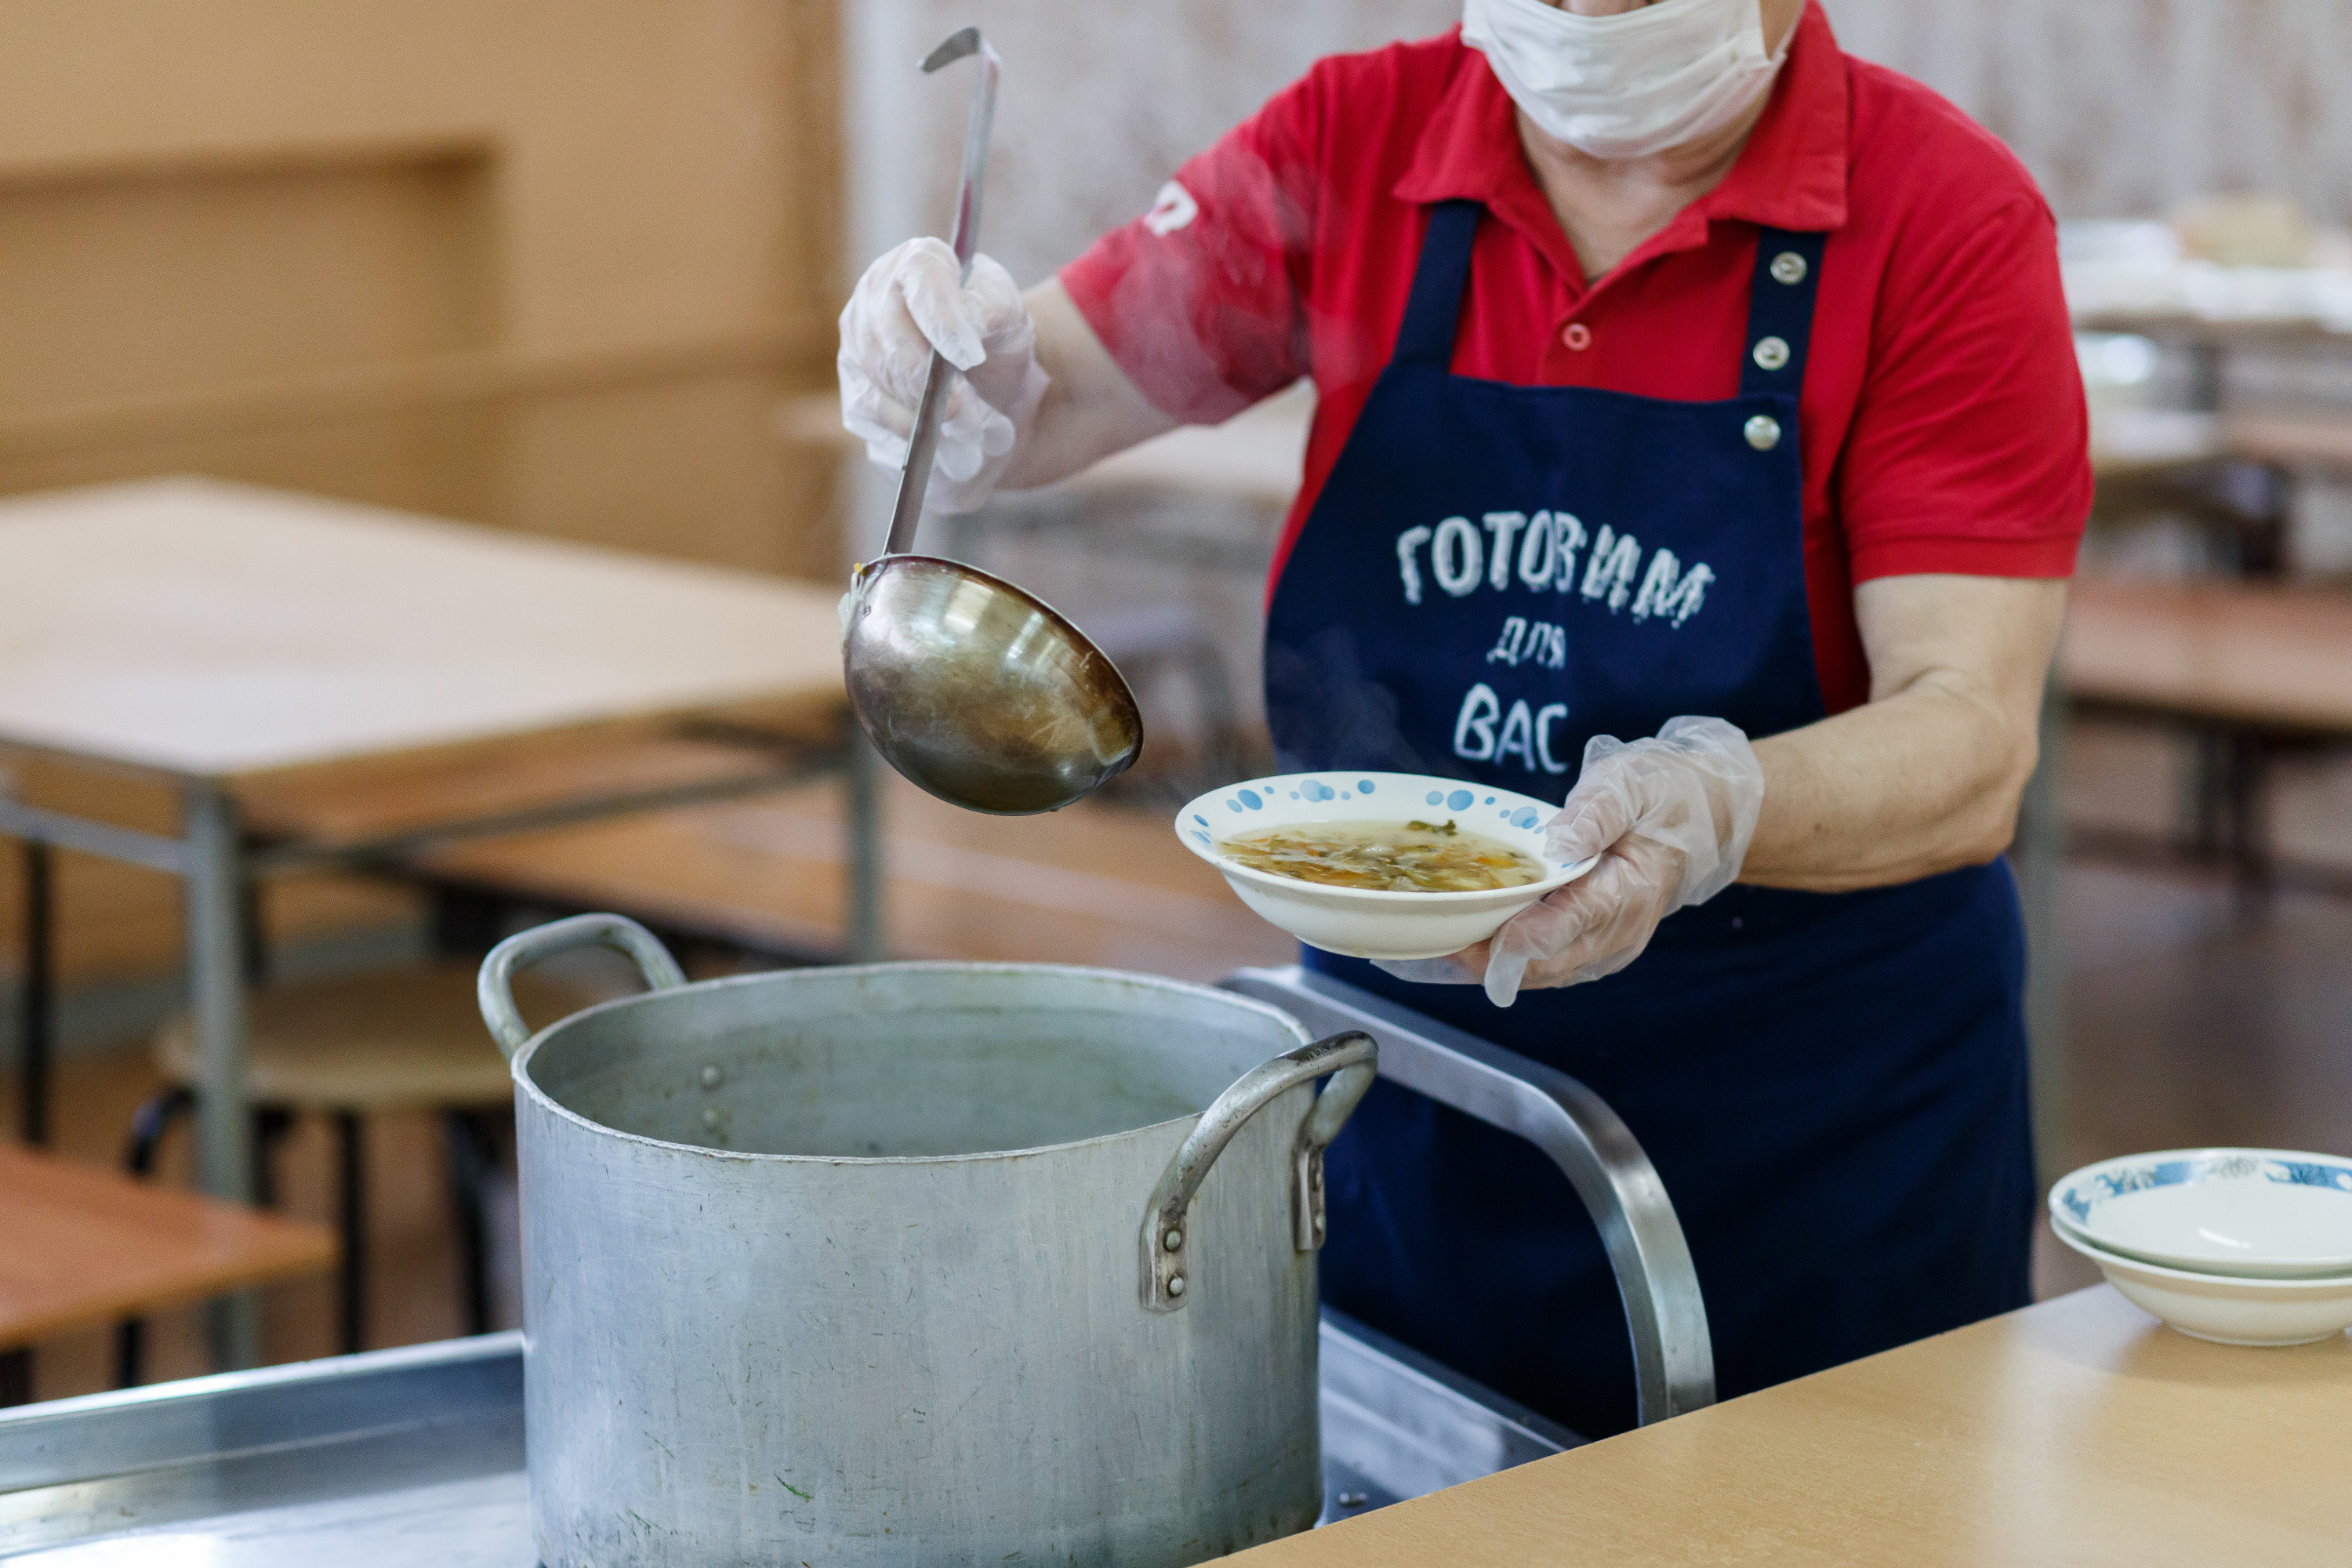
[971,688]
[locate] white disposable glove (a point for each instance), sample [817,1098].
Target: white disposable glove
[1671,819]
[910,302]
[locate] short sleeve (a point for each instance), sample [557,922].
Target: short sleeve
[1200,300]
[1969,450]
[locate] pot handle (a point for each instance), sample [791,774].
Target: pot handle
[496,987]
[1354,1061]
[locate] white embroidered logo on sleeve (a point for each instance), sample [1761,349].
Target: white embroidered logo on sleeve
[1171,210]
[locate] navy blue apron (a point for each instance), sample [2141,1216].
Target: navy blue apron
[1832,1086]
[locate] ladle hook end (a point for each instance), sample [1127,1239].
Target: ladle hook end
[959,45]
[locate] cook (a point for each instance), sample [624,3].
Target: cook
[1697,401]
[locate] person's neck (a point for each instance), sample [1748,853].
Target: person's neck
[1609,206]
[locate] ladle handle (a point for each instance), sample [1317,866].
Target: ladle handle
[915,478]
[495,989]
[1350,1059]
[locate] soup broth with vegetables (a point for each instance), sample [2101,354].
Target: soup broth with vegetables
[1392,857]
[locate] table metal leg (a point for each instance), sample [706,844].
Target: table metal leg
[2041,833]
[37,1011]
[862,782]
[350,1144]
[217,997]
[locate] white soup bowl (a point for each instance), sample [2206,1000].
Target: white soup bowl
[2253,1212]
[2226,1309]
[1367,923]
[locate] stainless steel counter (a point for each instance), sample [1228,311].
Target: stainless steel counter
[413,1459]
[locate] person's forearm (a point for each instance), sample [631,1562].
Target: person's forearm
[1090,408]
[1923,782]
[1925,777]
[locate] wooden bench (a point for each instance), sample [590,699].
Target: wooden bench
[765,872]
[2302,440]
[2254,669]
[384,800]
[82,1248]
[1095,884]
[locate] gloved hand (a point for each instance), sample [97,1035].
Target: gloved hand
[1671,819]
[908,303]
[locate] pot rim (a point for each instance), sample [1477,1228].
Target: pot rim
[516,1069]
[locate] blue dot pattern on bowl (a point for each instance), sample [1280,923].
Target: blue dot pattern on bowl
[1199,818]
[1316,791]
[1201,838]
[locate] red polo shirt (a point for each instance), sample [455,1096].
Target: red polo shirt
[1942,415]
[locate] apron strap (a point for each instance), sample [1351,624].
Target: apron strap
[1434,308]
[1780,312]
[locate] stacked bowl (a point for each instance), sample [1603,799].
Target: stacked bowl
[2244,1246]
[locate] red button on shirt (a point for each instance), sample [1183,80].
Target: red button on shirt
[1942,416]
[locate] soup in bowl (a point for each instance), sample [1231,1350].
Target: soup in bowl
[1370,865]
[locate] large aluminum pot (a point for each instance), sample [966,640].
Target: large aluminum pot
[917,1263]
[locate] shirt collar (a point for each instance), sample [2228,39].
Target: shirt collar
[1791,175]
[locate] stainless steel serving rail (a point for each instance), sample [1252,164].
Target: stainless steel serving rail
[1673,1359]
[381,1460]
[413,1459]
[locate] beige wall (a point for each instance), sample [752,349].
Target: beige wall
[2125,108]
[545,263]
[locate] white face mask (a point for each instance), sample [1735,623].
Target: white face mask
[1629,84]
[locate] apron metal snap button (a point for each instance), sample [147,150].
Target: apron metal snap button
[1788,268]
[1763,432]
[1577,336]
[1771,352]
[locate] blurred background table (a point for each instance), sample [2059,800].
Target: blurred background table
[255,649]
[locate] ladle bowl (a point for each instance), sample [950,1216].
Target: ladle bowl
[982,693]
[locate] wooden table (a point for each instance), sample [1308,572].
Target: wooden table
[2252,670]
[223,639]
[1256,455]
[2134,444]
[2078,1431]
[2251,653]
[2208,342]
[85,1248]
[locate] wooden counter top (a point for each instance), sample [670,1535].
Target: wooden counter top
[2076,1431]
